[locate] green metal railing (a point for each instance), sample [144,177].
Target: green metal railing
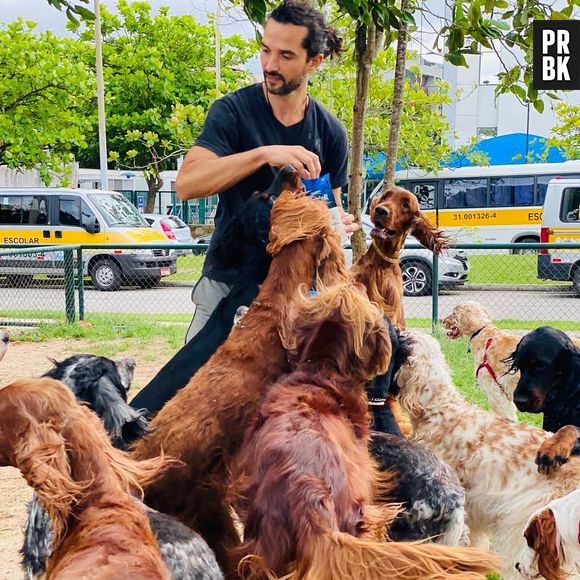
[75,279]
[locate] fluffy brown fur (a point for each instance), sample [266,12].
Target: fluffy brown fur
[558,449]
[307,479]
[395,214]
[203,425]
[83,483]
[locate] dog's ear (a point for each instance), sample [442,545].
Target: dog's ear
[123,423]
[42,459]
[428,235]
[542,537]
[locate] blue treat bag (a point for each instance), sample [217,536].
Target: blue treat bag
[320,189]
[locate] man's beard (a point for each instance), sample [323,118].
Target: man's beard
[286,87]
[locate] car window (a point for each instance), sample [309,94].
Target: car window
[174,222]
[571,205]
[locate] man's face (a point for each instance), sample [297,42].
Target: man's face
[284,60]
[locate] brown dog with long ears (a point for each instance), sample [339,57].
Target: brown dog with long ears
[203,425]
[83,482]
[395,214]
[307,478]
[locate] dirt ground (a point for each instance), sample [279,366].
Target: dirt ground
[29,359]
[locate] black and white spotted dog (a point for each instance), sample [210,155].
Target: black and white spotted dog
[104,384]
[429,490]
[4,341]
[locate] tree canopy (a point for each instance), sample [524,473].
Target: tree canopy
[44,86]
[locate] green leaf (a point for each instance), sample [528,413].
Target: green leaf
[85,13]
[539,106]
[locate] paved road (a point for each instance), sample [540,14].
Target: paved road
[523,305]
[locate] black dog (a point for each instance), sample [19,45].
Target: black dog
[429,490]
[104,384]
[243,245]
[549,365]
[379,387]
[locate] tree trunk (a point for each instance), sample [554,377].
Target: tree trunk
[397,105]
[154,184]
[367,44]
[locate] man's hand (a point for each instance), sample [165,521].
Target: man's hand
[350,225]
[305,162]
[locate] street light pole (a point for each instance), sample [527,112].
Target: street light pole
[101,98]
[527,128]
[218,71]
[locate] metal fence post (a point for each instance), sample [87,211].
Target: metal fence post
[69,285]
[202,211]
[81,284]
[435,294]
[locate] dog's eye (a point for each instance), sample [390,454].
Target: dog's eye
[406,204]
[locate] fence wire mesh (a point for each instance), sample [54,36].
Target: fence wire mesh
[129,287]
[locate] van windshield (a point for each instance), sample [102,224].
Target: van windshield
[117,210]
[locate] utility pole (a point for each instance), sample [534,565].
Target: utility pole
[101,98]
[218,70]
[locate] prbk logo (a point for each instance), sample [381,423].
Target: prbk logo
[556,54]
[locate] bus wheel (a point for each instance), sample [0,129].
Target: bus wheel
[416,278]
[106,275]
[527,250]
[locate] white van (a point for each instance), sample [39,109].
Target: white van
[561,224]
[53,216]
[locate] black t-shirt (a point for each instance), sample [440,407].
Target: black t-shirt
[243,120]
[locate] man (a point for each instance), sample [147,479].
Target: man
[252,132]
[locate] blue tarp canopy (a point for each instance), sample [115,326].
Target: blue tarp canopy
[511,150]
[504,150]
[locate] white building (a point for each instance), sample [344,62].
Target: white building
[477,112]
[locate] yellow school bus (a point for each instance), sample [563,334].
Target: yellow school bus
[53,216]
[494,204]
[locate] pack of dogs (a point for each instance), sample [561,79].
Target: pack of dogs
[322,440]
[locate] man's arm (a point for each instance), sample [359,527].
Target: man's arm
[204,173]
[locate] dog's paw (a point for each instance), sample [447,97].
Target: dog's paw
[557,450]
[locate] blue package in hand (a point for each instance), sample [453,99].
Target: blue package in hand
[321,189]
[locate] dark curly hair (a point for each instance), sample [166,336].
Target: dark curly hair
[320,38]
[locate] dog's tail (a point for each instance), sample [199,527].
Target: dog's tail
[336,554]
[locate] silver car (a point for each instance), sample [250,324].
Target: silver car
[417,265]
[173,227]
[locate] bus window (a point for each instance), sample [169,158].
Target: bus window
[462,193]
[571,205]
[511,191]
[425,193]
[27,209]
[543,181]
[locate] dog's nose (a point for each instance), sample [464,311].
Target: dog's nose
[382,211]
[131,364]
[521,401]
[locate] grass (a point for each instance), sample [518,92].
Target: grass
[504,269]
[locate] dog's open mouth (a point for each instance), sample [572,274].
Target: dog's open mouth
[451,330]
[383,234]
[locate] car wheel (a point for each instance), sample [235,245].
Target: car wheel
[529,240]
[19,280]
[148,282]
[106,275]
[416,278]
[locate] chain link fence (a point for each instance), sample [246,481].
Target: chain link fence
[131,285]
